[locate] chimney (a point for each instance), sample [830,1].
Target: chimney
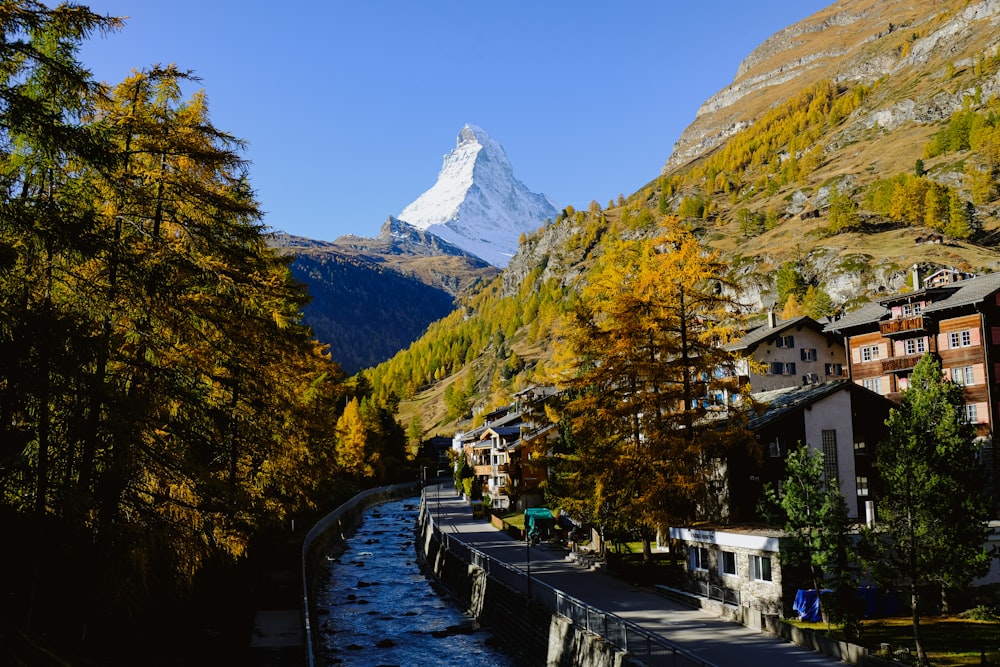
[916,277]
[772,319]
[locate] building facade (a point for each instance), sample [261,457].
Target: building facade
[789,353]
[951,314]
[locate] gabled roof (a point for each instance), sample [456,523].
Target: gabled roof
[780,402]
[503,432]
[869,313]
[509,418]
[758,335]
[969,292]
[964,293]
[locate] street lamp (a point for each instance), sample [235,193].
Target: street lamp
[438,494]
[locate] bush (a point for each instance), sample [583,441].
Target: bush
[981,613]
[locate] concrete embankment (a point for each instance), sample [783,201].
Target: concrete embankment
[524,626]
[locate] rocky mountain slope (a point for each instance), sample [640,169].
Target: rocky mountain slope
[855,42]
[849,147]
[913,66]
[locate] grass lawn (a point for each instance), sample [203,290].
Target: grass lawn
[950,641]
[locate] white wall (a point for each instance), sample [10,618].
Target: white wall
[834,413]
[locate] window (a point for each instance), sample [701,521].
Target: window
[969,414]
[963,375]
[760,568]
[862,486]
[775,449]
[869,353]
[960,338]
[809,354]
[910,309]
[860,449]
[834,369]
[873,384]
[699,558]
[915,345]
[830,456]
[782,368]
[727,563]
[785,341]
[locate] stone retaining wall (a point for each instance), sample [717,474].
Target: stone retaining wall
[528,630]
[755,619]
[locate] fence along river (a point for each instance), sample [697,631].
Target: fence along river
[378,608]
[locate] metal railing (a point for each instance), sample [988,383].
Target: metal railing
[715,592]
[653,649]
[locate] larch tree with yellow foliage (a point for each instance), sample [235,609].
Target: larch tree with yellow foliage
[643,362]
[354,452]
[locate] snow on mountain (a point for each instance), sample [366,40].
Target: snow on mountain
[476,203]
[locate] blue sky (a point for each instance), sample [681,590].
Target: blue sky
[348,106]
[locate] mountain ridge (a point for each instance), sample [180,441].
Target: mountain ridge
[371,297]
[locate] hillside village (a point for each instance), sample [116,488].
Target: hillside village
[828,384]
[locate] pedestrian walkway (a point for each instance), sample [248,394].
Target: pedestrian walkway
[708,637]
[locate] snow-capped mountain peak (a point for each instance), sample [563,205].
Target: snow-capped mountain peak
[476,203]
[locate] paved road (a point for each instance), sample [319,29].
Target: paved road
[707,636]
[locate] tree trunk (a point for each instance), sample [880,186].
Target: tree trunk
[43,432]
[918,643]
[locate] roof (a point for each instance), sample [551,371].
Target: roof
[869,313]
[756,336]
[779,402]
[960,294]
[969,292]
[503,432]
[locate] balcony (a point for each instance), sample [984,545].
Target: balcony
[488,469]
[904,326]
[900,364]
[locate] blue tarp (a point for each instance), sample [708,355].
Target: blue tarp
[807,605]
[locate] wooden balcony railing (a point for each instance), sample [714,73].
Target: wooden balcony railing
[488,469]
[897,364]
[904,325]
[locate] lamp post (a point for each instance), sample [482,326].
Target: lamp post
[527,559]
[438,495]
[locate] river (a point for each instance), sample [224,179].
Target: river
[376,606]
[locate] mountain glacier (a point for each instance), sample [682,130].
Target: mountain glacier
[476,203]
